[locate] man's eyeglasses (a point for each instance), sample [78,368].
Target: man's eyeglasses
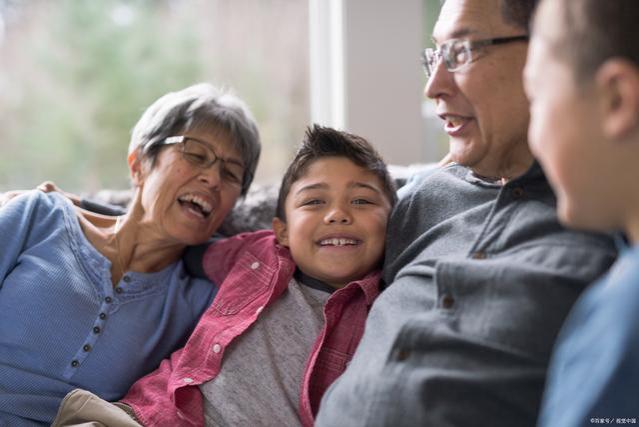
[457,53]
[201,155]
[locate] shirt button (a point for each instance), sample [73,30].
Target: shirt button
[187,380]
[217,348]
[102,316]
[259,310]
[108,300]
[96,329]
[479,255]
[118,290]
[75,363]
[255,265]
[518,192]
[126,279]
[86,347]
[448,301]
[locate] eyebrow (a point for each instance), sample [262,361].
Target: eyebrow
[324,186]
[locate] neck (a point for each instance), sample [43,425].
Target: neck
[131,246]
[143,247]
[506,168]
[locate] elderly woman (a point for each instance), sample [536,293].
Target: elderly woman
[97,302]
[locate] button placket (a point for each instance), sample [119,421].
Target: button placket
[107,306]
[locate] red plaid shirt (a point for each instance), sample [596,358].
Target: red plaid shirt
[253,271]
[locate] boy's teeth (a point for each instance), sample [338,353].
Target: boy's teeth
[338,242]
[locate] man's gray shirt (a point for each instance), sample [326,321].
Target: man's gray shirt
[481,277]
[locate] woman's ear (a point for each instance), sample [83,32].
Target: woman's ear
[135,168]
[618,81]
[281,231]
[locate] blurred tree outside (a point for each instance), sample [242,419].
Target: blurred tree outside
[75,76]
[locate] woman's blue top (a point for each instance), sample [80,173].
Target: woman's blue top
[63,325]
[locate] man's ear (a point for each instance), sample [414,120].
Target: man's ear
[618,81]
[281,231]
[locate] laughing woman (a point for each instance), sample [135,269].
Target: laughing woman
[98,302]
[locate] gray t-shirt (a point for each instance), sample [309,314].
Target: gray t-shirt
[481,277]
[260,379]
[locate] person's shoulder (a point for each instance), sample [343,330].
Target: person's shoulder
[228,250]
[431,182]
[623,279]
[37,200]
[245,241]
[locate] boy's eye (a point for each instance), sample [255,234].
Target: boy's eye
[312,202]
[361,202]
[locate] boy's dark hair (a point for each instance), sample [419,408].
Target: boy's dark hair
[518,12]
[320,142]
[595,31]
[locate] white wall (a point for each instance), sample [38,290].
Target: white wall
[366,76]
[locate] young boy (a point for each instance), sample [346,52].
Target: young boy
[291,305]
[582,77]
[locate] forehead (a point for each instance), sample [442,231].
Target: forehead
[335,172]
[548,24]
[546,32]
[460,18]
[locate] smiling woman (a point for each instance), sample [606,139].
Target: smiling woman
[116,288]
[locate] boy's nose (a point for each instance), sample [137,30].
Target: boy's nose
[338,216]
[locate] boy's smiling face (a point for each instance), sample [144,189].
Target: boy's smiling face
[336,216]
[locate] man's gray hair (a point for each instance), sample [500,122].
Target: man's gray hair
[201,106]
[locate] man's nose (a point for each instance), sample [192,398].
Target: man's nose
[440,83]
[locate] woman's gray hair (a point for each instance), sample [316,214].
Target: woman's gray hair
[201,106]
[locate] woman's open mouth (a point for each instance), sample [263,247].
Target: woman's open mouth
[196,205]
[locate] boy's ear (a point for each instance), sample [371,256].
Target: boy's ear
[618,79]
[281,231]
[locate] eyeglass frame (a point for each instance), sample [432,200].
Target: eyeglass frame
[441,53]
[182,139]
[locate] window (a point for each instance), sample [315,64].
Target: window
[76,75]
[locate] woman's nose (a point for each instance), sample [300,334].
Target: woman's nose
[212,176]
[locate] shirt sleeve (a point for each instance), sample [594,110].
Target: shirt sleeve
[152,397]
[16,219]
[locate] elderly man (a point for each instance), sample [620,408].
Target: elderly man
[583,68]
[480,273]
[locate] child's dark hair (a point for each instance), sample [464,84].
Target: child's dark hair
[322,142]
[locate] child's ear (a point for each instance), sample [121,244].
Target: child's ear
[619,80]
[281,231]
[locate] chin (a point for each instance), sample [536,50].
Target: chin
[572,216]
